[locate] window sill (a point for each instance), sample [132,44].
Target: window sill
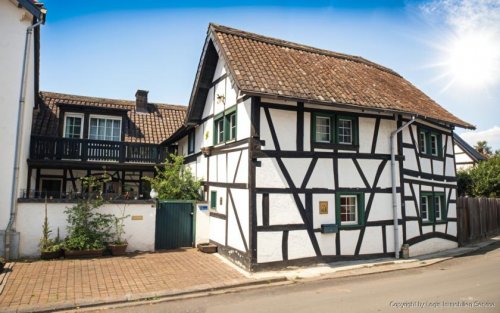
[351,227]
[324,145]
[429,156]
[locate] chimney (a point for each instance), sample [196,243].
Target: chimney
[141,101]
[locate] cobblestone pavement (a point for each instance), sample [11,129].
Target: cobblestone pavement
[44,283]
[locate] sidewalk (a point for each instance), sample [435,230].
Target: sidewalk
[65,284]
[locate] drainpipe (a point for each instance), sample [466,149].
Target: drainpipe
[393,183]
[19,131]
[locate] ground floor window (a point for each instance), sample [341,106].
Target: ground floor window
[432,207]
[350,208]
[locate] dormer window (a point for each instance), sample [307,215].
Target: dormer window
[73,126]
[105,128]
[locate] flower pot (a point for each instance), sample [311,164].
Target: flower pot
[207,247]
[117,249]
[76,254]
[51,255]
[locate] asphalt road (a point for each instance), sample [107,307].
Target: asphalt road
[464,284]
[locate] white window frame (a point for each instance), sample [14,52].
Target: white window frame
[351,129]
[426,219]
[435,145]
[106,117]
[329,119]
[422,142]
[437,208]
[356,221]
[78,115]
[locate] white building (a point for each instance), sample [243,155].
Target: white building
[19,49]
[293,144]
[465,155]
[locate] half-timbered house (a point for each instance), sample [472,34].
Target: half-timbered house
[465,155]
[293,144]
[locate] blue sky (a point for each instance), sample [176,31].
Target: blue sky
[112,48]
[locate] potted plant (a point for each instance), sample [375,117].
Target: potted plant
[49,248]
[88,229]
[2,264]
[118,245]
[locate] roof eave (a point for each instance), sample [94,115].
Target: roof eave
[34,9]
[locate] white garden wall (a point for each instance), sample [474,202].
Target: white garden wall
[139,226]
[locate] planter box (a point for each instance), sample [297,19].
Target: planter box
[75,254]
[207,247]
[51,255]
[117,249]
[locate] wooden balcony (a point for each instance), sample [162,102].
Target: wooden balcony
[57,148]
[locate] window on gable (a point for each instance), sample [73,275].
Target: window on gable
[225,126]
[191,142]
[430,143]
[350,209]
[102,128]
[334,129]
[432,207]
[73,126]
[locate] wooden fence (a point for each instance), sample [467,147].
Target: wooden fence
[477,218]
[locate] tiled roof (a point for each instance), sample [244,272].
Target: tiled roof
[153,127]
[268,66]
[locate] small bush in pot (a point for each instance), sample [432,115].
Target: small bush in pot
[118,245]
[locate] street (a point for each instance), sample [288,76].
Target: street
[463,284]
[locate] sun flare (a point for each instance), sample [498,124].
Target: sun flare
[471,60]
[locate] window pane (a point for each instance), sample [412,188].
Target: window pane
[422,142]
[423,209]
[232,126]
[437,207]
[73,127]
[323,129]
[434,145]
[348,209]
[105,129]
[345,131]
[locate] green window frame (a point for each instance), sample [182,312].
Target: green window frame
[335,129]
[226,125]
[433,207]
[350,209]
[430,143]
[191,141]
[213,199]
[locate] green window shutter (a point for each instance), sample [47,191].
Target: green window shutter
[313,127]
[213,199]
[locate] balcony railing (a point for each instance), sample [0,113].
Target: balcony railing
[57,148]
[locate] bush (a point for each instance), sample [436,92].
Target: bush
[175,181]
[87,228]
[482,180]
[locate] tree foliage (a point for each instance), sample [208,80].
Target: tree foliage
[483,148]
[175,181]
[482,180]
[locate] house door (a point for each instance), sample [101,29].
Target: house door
[174,225]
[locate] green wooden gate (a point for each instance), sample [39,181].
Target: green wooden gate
[174,224]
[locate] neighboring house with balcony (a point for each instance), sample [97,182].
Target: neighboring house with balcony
[20,22]
[77,136]
[293,145]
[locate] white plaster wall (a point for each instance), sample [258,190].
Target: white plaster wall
[372,241]
[202,233]
[307,131]
[412,229]
[322,176]
[269,174]
[265,132]
[241,201]
[221,167]
[284,123]
[438,167]
[218,230]
[221,199]
[299,245]
[348,241]
[13,23]
[140,234]
[297,169]
[452,228]
[366,129]
[243,116]
[283,210]
[326,243]
[389,233]
[410,162]
[382,207]
[384,133]
[349,175]
[431,245]
[269,246]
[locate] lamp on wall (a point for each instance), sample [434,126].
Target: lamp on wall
[221,98]
[153,194]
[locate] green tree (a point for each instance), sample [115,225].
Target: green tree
[483,148]
[175,181]
[482,180]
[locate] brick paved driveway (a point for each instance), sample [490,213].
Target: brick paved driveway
[43,283]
